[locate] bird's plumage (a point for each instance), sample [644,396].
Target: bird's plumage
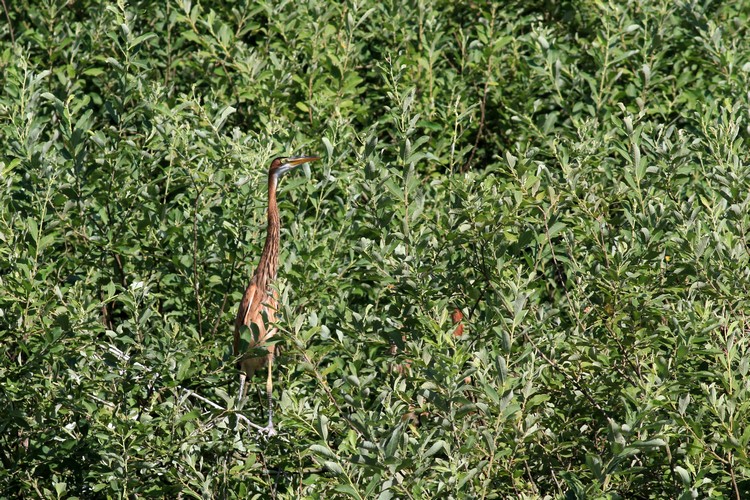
[254,310]
[259,302]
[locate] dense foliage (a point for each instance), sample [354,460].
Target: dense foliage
[573,176]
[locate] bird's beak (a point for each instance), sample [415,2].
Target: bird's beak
[295,161]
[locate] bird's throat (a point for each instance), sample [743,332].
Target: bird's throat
[269,259]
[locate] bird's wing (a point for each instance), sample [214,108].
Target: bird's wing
[256,307]
[244,314]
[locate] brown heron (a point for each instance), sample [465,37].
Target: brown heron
[258,305]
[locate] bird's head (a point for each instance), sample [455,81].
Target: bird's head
[281,166]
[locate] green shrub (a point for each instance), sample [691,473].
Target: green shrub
[573,177]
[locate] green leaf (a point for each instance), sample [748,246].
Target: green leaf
[222,117]
[323,451]
[684,476]
[328,145]
[142,38]
[437,446]
[333,467]
[348,490]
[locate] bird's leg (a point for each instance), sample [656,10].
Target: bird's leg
[242,389]
[269,389]
[259,395]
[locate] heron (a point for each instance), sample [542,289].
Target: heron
[259,302]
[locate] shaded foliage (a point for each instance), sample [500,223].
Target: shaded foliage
[572,176]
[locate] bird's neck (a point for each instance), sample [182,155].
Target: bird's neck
[269,259]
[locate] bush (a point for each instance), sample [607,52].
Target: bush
[573,178]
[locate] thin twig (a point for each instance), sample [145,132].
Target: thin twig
[240,416]
[186,392]
[578,321]
[487,280]
[565,374]
[196,287]
[10,25]
[224,302]
[230,286]
[482,107]
[734,478]
[328,392]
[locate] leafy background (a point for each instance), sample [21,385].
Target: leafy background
[572,176]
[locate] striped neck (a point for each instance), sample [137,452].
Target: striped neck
[269,259]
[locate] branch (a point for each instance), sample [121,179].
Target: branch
[186,392]
[10,25]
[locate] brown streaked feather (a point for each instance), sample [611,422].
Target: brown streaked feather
[259,302]
[253,309]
